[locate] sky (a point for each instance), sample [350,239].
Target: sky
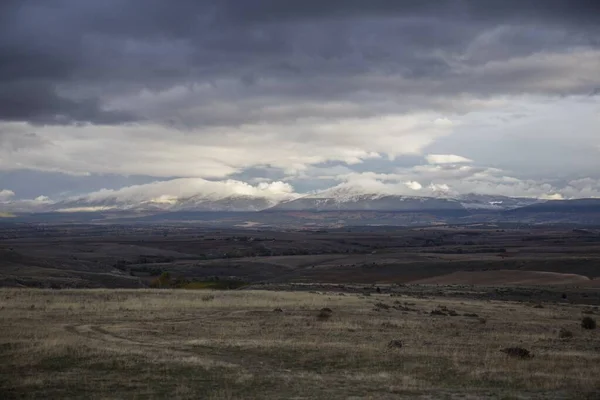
[147,100]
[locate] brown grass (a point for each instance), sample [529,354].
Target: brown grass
[164,343]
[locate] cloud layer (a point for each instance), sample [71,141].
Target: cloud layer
[452,95]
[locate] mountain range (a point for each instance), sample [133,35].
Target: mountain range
[339,206]
[335,199]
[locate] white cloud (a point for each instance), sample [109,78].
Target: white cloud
[220,151]
[6,194]
[446,159]
[454,180]
[26,205]
[414,185]
[169,192]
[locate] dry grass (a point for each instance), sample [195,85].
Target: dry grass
[181,344]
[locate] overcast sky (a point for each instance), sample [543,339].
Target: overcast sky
[163,99]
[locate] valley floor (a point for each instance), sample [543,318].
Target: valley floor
[282,345]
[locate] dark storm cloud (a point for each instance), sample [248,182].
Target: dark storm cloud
[65,61]
[576,11]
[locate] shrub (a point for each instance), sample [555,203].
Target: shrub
[324,314]
[517,352]
[382,306]
[588,323]
[565,333]
[165,279]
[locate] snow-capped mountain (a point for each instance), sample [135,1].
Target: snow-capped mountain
[350,199]
[340,198]
[196,203]
[229,203]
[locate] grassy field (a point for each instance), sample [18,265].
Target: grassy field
[280,345]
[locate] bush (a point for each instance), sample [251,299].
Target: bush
[163,281]
[324,314]
[517,352]
[565,333]
[588,323]
[382,306]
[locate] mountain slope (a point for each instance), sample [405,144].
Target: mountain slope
[347,201]
[241,203]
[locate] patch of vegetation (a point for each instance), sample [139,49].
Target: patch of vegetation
[517,352]
[324,314]
[163,281]
[443,310]
[565,333]
[588,323]
[382,306]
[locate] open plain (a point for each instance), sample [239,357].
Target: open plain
[281,345]
[133,256]
[182,311]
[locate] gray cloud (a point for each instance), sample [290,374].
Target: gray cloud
[64,60]
[300,91]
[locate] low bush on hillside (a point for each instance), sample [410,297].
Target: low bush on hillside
[588,323]
[565,333]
